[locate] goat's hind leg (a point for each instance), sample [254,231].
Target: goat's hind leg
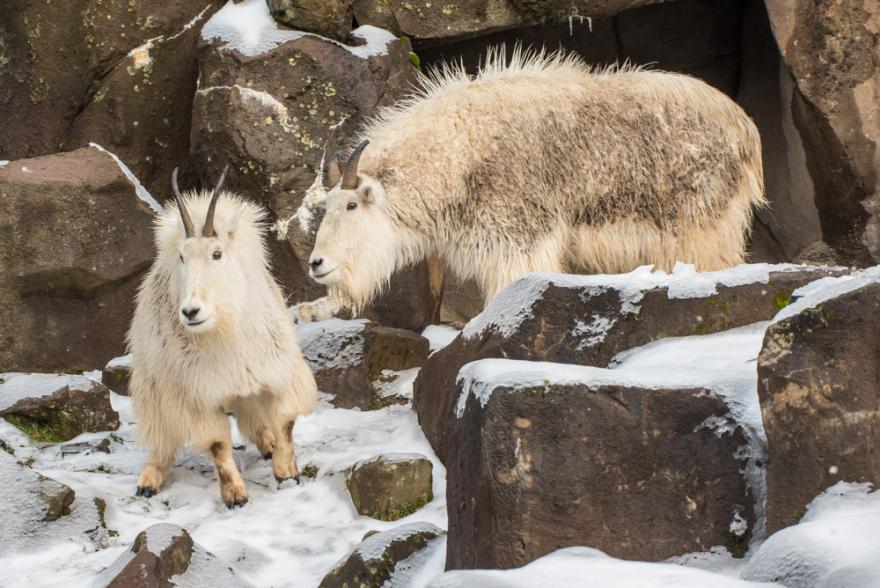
[282,413]
[216,440]
[252,422]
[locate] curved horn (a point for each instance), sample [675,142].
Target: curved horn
[350,178]
[331,171]
[208,230]
[184,214]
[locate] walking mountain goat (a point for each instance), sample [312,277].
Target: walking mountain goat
[540,164]
[211,334]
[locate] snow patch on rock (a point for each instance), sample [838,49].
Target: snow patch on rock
[334,343]
[139,189]
[373,547]
[439,336]
[18,386]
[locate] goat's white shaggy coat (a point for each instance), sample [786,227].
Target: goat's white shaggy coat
[541,164]
[184,380]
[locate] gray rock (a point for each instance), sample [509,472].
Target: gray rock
[116,373]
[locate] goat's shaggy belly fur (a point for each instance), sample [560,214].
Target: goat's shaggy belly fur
[183,384]
[541,164]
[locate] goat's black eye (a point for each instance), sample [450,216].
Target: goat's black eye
[217,254]
[351,206]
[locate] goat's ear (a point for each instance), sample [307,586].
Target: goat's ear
[234,223]
[370,192]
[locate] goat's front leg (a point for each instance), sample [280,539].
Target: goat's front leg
[320,309]
[219,446]
[153,474]
[284,459]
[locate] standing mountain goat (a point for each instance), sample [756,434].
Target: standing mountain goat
[210,334]
[541,164]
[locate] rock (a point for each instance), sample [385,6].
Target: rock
[831,50]
[116,373]
[85,448]
[166,555]
[588,320]
[330,18]
[392,486]
[36,509]
[349,358]
[817,379]
[542,456]
[376,558]
[267,107]
[53,408]
[74,246]
[121,74]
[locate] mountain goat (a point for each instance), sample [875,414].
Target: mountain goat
[540,164]
[211,333]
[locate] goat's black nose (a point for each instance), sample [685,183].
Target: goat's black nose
[316,263]
[190,313]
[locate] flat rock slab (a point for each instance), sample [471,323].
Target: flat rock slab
[116,374]
[374,560]
[52,407]
[37,510]
[348,359]
[543,456]
[391,486]
[165,555]
[588,320]
[818,375]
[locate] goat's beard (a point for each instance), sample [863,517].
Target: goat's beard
[355,292]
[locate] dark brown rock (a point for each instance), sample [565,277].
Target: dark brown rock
[165,555]
[348,358]
[638,473]
[74,74]
[374,560]
[54,408]
[330,18]
[268,114]
[116,374]
[817,380]
[74,243]
[392,486]
[831,50]
[580,320]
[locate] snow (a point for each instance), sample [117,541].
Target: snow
[18,386]
[421,567]
[819,291]
[123,361]
[294,534]
[574,565]
[248,27]
[334,343]
[374,546]
[834,546]
[393,384]
[439,336]
[514,304]
[3,163]
[139,189]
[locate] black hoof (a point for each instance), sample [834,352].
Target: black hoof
[240,502]
[146,491]
[267,456]
[294,478]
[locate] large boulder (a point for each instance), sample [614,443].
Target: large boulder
[542,456]
[165,555]
[75,241]
[817,378]
[831,50]
[118,73]
[390,487]
[588,320]
[50,407]
[272,105]
[353,360]
[373,562]
[35,509]
[330,18]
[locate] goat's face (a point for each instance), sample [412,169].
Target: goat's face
[354,246]
[211,284]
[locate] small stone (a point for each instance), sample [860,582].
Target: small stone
[391,486]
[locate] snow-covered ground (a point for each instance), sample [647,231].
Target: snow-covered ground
[293,535]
